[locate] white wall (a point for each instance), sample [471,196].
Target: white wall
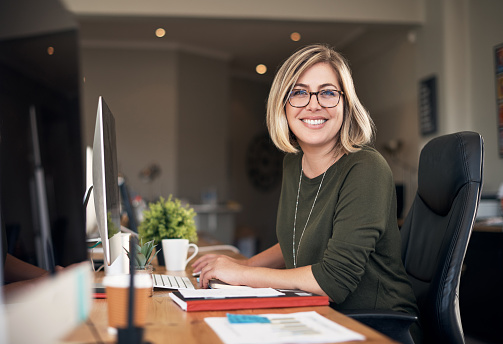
[394,11]
[485,32]
[171,108]
[203,126]
[456,44]
[386,85]
[140,88]
[248,113]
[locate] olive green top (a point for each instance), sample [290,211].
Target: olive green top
[352,239]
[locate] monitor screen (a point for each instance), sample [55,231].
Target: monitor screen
[105,181]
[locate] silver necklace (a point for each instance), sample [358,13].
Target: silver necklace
[294,252]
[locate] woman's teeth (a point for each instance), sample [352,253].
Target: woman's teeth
[314,121]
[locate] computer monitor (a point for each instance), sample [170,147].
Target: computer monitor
[91,224]
[105,184]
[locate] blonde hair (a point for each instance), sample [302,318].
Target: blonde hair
[357,127]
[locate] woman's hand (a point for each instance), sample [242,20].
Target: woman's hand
[204,260]
[223,268]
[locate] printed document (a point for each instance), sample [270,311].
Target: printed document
[302,327]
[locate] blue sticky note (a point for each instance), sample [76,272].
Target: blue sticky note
[246,319]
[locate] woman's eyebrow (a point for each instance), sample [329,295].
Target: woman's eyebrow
[300,85]
[319,87]
[328,84]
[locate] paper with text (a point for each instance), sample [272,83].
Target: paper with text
[302,327]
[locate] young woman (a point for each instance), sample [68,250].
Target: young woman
[336,226]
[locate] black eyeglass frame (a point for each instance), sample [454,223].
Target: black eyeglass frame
[341,94]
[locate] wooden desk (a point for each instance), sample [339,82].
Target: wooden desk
[167,323]
[480,227]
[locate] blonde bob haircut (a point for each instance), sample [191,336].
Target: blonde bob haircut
[357,128]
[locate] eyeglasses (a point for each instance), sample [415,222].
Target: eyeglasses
[326,98]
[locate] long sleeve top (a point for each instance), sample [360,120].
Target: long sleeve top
[351,240]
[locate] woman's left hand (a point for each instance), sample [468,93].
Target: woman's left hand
[223,268]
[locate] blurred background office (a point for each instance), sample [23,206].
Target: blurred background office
[188,83]
[181,79]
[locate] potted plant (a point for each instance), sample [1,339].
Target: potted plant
[142,260]
[168,219]
[145,253]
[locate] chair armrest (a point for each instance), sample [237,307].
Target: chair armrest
[392,324]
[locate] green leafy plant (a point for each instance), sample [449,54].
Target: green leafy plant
[145,253]
[168,219]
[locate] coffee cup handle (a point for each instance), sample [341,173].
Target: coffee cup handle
[196,250]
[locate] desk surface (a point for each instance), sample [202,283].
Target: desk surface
[488,228]
[167,323]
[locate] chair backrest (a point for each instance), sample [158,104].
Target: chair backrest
[437,229]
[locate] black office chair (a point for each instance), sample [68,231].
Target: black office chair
[435,237]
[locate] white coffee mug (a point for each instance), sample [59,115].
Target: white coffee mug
[175,253]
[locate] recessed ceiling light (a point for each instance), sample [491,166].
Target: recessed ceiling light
[295,36]
[160,32]
[50,50]
[261,69]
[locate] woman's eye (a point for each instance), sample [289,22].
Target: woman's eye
[328,93]
[299,93]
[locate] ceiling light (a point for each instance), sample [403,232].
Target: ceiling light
[160,32]
[50,50]
[261,69]
[295,36]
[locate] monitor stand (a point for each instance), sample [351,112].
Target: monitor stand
[120,266]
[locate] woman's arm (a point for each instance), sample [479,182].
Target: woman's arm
[262,270]
[17,270]
[270,258]
[225,269]
[19,275]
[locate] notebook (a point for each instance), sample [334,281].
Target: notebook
[244,298]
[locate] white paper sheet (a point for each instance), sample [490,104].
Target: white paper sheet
[302,327]
[229,292]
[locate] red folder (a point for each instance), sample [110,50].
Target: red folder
[291,298]
[99,291]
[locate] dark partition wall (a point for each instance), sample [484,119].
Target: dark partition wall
[42,72]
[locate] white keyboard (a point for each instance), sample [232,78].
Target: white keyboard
[172,282]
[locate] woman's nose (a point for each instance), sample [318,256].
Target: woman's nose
[313,103]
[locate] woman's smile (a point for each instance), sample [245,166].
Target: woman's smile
[314,122]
